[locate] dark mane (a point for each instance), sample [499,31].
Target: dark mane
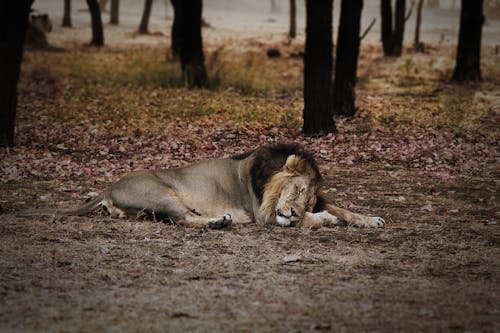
[270,159]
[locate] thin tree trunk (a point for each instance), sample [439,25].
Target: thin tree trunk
[386,27]
[318,63]
[114,12]
[417,45]
[399,27]
[97,31]
[191,44]
[146,13]
[433,3]
[468,62]
[175,37]
[66,21]
[14,17]
[346,60]
[293,19]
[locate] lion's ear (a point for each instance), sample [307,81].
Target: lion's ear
[293,164]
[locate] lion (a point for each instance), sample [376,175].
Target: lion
[270,185]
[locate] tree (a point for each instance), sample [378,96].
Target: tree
[392,39]
[433,3]
[188,14]
[14,16]
[468,61]
[318,63]
[146,13]
[346,60]
[292,32]
[97,31]
[417,45]
[66,21]
[114,12]
[175,38]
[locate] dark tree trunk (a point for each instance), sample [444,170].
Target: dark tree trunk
[14,17]
[318,63]
[175,37]
[293,19]
[468,62]
[66,21]
[417,45]
[346,60]
[386,28]
[392,39]
[114,12]
[399,27]
[433,3]
[146,13]
[95,15]
[188,14]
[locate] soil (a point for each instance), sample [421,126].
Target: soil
[435,266]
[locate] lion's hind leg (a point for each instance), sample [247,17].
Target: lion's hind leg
[219,222]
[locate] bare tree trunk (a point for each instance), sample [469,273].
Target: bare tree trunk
[190,43]
[114,12]
[399,27]
[318,63]
[66,21]
[146,13]
[175,36]
[293,19]
[274,7]
[433,3]
[14,17]
[392,40]
[417,45]
[468,62]
[102,5]
[97,31]
[386,28]
[346,60]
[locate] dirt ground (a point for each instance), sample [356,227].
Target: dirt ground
[430,269]
[422,153]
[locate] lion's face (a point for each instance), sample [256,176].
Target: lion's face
[297,197]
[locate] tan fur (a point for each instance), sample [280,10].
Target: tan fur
[215,193]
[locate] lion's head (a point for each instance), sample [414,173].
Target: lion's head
[290,192]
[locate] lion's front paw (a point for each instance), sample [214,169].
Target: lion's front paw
[220,222]
[375,222]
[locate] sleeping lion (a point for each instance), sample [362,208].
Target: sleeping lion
[276,184]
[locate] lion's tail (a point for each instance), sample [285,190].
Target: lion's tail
[86,208]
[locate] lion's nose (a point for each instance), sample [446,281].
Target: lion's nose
[280,213]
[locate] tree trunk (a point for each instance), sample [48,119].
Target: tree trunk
[417,45]
[191,44]
[175,37]
[468,62]
[146,13]
[318,62]
[95,15]
[114,12]
[274,7]
[433,3]
[386,28]
[346,60]
[392,40]
[14,16]
[66,21]
[293,19]
[102,5]
[399,27]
